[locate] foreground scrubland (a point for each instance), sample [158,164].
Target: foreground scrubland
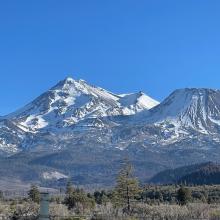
[29,211]
[126,200]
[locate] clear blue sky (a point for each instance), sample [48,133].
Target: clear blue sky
[122,45]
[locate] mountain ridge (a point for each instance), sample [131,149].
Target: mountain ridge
[200,174]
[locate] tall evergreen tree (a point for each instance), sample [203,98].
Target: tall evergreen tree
[69,188]
[34,194]
[127,187]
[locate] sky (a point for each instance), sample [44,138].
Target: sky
[154,46]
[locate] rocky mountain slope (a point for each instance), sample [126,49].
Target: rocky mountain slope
[82,131]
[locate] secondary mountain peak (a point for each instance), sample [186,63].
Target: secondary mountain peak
[139,100]
[193,108]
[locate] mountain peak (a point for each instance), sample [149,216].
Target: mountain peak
[71,101]
[63,83]
[193,91]
[71,84]
[69,80]
[193,108]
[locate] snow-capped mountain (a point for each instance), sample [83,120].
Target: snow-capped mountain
[189,109]
[186,114]
[69,104]
[72,101]
[83,124]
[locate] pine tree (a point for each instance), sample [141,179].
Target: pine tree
[69,188]
[184,195]
[127,187]
[34,194]
[78,199]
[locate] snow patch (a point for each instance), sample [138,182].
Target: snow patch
[53,175]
